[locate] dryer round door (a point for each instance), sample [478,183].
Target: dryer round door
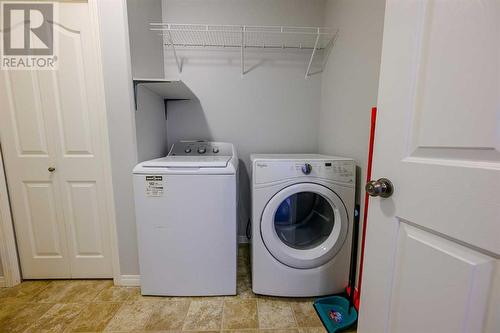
[304,225]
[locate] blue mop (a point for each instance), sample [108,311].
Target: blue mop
[338,313]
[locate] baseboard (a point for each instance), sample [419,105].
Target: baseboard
[2,282]
[243,240]
[130,280]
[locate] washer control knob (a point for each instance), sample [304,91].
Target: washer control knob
[187,150]
[215,150]
[202,150]
[306,168]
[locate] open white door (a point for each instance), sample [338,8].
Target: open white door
[433,247]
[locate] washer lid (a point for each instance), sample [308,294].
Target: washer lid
[304,225]
[188,162]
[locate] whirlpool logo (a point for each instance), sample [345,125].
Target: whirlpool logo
[28,38]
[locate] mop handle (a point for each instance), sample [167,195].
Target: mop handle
[365,212]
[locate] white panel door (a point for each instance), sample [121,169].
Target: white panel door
[433,247]
[53,119]
[34,192]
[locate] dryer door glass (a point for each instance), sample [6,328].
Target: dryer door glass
[304,225]
[304,220]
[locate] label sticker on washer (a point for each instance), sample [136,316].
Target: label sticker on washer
[154,186]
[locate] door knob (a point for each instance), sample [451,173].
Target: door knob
[380,188]
[51,169]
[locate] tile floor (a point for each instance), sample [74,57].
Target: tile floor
[97,305]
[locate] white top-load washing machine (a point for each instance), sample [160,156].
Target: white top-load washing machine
[186,212]
[302,215]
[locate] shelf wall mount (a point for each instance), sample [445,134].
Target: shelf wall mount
[172,90]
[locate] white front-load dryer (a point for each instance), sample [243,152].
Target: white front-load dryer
[302,216]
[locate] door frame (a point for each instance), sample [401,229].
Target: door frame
[8,246]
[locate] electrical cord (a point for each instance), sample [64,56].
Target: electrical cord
[248,231]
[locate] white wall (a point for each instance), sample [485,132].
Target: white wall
[250,12]
[145,46]
[121,126]
[150,125]
[350,81]
[271,109]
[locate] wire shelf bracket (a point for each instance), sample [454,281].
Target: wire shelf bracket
[245,37]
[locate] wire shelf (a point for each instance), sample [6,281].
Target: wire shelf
[245,36]
[197,35]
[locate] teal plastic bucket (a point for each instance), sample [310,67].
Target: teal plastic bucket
[335,314]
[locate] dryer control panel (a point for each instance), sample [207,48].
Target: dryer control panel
[266,171]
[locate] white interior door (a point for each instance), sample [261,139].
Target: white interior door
[433,247]
[54,119]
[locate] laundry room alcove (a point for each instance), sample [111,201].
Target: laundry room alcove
[267,76]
